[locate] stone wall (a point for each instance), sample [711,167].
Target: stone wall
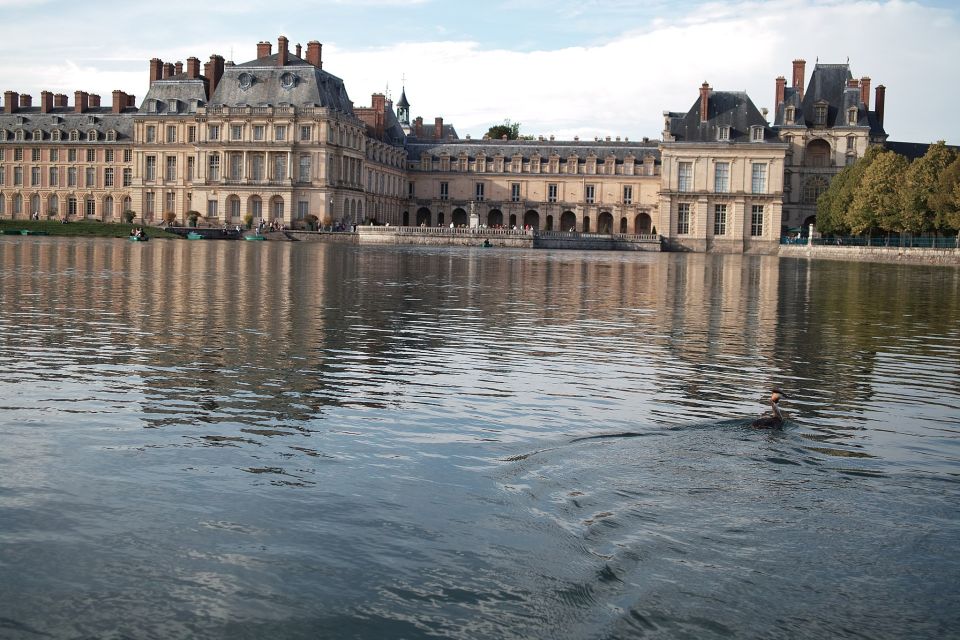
[902,255]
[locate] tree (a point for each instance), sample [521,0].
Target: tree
[834,203]
[509,129]
[169,217]
[920,184]
[129,215]
[876,197]
[945,200]
[193,217]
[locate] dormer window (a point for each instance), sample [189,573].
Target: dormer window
[723,134]
[820,114]
[756,133]
[91,136]
[74,136]
[18,135]
[852,116]
[55,135]
[38,135]
[789,115]
[111,135]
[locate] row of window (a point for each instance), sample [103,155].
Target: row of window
[719,219]
[721,177]
[58,135]
[68,176]
[498,165]
[553,191]
[53,205]
[53,155]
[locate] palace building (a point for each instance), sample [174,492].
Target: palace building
[277,138]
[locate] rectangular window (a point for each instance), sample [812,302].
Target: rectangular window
[852,117]
[213,132]
[191,134]
[720,220]
[280,166]
[151,134]
[71,176]
[759,178]
[54,177]
[236,132]
[723,133]
[820,114]
[90,207]
[756,134]
[149,203]
[91,155]
[214,167]
[628,195]
[171,134]
[128,155]
[35,176]
[91,177]
[280,132]
[150,173]
[851,143]
[108,155]
[256,166]
[685,173]
[171,201]
[212,208]
[35,155]
[756,220]
[71,206]
[683,219]
[278,210]
[236,166]
[171,168]
[590,194]
[18,176]
[108,177]
[127,176]
[306,133]
[305,167]
[303,209]
[515,192]
[479,191]
[552,192]
[54,155]
[444,190]
[235,208]
[258,131]
[3,154]
[18,154]
[71,155]
[721,177]
[190,164]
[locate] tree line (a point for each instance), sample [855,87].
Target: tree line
[884,192]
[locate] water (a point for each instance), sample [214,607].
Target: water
[292,440]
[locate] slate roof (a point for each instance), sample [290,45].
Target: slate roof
[828,84]
[732,109]
[529,148]
[392,129]
[175,95]
[403,99]
[913,150]
[65,119]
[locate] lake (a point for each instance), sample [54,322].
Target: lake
[305,440]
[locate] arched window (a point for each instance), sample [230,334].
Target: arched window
[813,187]
[108,207]
[35,204]
[818,154]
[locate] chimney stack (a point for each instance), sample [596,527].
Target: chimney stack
[94,101]
[132,101]
[46,102]
[282,51]
[26,100]
[799,73]
[167,70]
[156,69]
[119,101]
[781,92]
[193,68]
[418,127]
[865,92]
[881,93]
[438,128]
[178,68]
[80,101]
[704,101]
[298,50]
[215,72]
[314,50]
[263,49]
[11,101]
[60,100]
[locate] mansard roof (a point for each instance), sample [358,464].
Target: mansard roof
[264,82]
[732,109]
[175,95]
[66,119]
[529,148]
[828,87]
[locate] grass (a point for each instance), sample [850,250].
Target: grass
[84,228]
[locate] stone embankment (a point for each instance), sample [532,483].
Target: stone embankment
[514,238]
[901,255]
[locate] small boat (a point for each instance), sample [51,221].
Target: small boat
[138,238]
[193,235]
[31,232]
[255,237]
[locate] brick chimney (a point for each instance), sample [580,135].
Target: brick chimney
[264,49]
[59,100]
[193,68]
[26,100]
[438,128]
[119,101]
[314,50]
[156,69]
[178,68]
[704,101]
[94,101]
[881,93]
[853,83]
[418,127]
[282,51]
[781,91]
[167,70]
[799,73]
[865,92]
[80,101]
[298,50]
[132,101]
[46,102]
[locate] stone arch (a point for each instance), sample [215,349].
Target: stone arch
[813,187]
[439,218]
[53,204]
[35,204]
[623,224]
[605,222]
[549,224]
[495,218]
[532,219]
[405,218]
[818,153]
[423,217]
[568,221]
[459,217]
[586,224]
[642,223]
[513,220]
[807,223]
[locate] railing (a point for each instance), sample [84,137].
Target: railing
[514,233]
[897,241]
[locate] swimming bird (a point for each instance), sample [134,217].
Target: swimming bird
[775,419]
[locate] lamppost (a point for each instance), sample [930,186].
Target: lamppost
[331,214]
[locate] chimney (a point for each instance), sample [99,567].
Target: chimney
[781,91]
[314,50]
[46,102]
[167,70]
[156,69]
[80,101]
[799,71]
[119,101]
[263,49]
[26,100]
[215,72]
[865,92]
[704,101]
[131,101]
[853,83]
[94,101]
[59,100]
[298,50]
[881,93]
[418,127]
[178,68]
[193,68]
[438,128]
[11,101]
[282,52]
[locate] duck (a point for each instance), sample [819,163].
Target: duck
[774,420]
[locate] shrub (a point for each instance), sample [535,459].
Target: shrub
[193,217]
[248,221]
[129,215]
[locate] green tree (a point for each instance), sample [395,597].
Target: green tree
[876,197]
[834,204]
[920,185]
[945,200]
[509,129]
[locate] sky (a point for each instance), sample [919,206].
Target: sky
[566,68]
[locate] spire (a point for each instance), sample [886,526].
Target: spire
[403,109]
